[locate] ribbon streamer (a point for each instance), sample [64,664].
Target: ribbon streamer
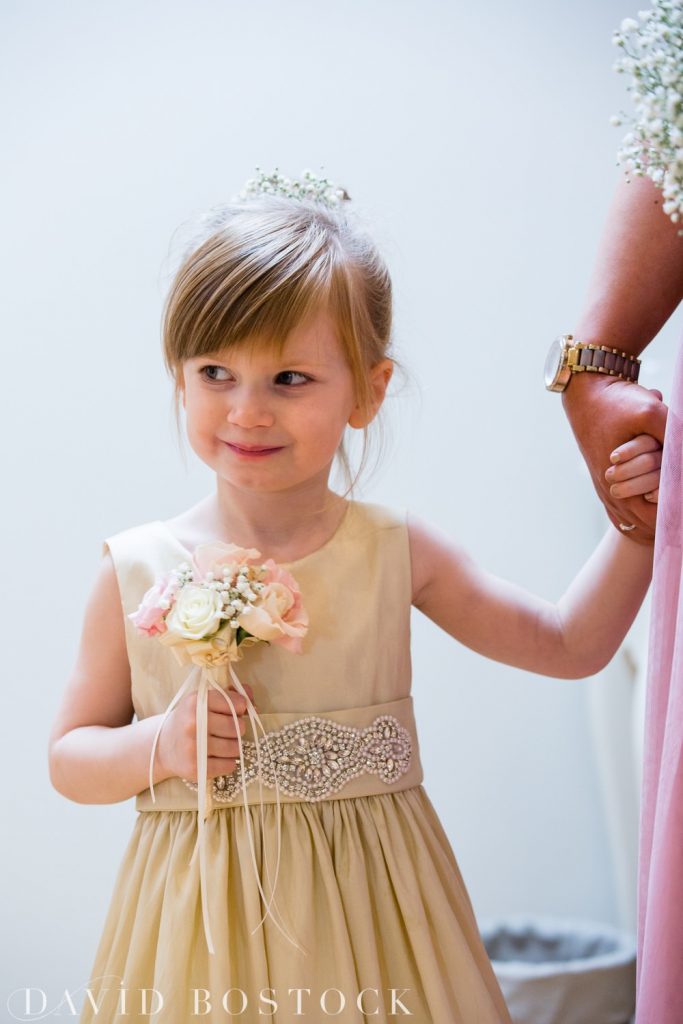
[202,678]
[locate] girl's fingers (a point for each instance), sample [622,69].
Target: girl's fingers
[222,748]
[636,446]
[637,466]
[224,725]
[220,705]
[652,496]
[639,485]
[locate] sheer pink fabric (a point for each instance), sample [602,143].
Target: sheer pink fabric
[660,885]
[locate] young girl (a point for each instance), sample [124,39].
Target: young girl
[277,331]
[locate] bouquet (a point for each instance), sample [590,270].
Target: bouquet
[208,612]
[652,49]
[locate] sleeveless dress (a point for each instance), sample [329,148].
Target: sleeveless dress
[368,884]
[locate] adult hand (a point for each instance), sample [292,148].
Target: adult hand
[605,412]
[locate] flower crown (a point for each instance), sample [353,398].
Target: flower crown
[310,187]
[320,189]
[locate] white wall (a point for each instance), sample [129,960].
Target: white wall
[477,139]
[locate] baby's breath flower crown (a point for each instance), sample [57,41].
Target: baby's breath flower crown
[311,186]
[653,56]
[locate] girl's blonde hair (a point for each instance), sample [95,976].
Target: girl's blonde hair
[258,268]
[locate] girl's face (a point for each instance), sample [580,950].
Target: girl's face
[295,406]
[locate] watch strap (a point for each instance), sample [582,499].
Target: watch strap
[602,359]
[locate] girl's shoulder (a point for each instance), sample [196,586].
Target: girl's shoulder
[432,553]
[139,554]
[379,515]
[133,544]
[371,526]
[390,530]
[428,550]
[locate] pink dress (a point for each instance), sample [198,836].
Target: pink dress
[659,998]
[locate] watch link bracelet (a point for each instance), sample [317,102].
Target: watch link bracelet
[567,356]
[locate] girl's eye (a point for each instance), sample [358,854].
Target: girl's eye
[204,370]
[294,373]
[208,374]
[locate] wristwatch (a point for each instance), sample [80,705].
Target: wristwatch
[567,356]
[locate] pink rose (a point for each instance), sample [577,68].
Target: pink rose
[214,557]
[149,618]
[279,615]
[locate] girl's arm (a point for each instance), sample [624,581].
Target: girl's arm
[573,638]
[97,753]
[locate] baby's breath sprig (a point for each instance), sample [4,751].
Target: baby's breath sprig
[319,189]
[653,56]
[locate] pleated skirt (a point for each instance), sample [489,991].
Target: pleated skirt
[368,886]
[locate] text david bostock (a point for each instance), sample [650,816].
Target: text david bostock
[30,1004]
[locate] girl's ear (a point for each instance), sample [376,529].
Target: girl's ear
[380,375]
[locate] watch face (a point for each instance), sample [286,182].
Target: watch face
[554,361]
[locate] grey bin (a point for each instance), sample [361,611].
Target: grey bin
[562,971]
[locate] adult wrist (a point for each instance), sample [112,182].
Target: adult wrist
[570,357]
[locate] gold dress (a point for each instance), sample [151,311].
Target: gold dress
[368,884]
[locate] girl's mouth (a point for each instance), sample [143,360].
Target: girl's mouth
[252,453]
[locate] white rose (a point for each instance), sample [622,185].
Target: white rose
[196,613]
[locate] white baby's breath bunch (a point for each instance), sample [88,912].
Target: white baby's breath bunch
[653,56]
[231,591]
[320,189]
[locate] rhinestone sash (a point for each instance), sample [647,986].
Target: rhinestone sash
[370,763]
[315,757]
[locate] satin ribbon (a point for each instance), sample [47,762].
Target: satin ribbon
[202,679]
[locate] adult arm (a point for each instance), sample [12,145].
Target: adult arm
[637,283]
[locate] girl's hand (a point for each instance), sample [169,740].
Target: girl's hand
[177,747]
[603,413]
[636,468]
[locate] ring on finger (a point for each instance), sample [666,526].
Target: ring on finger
[627,527]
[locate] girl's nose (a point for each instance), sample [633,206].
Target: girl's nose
[248,409]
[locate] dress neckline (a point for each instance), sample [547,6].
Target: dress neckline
[341,526]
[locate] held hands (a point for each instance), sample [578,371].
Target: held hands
[635,470]
[605,414]
[177,749]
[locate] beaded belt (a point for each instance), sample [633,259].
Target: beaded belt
[344,753]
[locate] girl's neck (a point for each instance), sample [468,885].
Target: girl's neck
[284,527]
